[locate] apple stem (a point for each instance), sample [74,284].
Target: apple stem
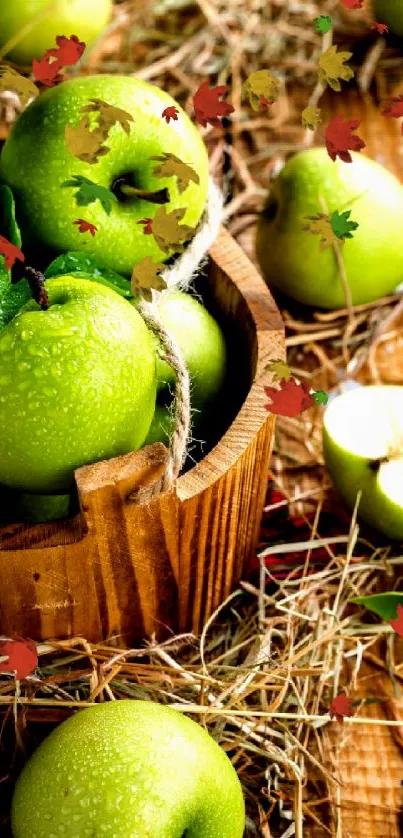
[376,464]
[159,196]
[36,282]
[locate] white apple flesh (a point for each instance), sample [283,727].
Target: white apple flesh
[363,451]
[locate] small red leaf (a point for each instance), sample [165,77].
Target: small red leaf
[353,4]
[10,252]
[339,138]
[290,400]
[147,225]
[170,113]
[397,624]
[380,27]
[340,707]
[68,50]
[85,226]
[22,657]
[207,106]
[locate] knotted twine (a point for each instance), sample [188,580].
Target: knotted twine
[187,266]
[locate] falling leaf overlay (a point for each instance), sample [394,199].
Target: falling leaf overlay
[173,166]
[170,113]
[339,138]
[10,252]
[67,51]
[167,231]
[322,227]
[352,4]
[332,68]
[397,624]
[290,400]
[395,108]
[340,707]
[86,143]
[11,80]
[381,28]
[279,369]
[46,71]
[341,225]
[88,192]
[320,397]
[207,105]
[85,226]
[148,225]
[322,24]
[22,657]
[145,278]
[260,84]
[311,117]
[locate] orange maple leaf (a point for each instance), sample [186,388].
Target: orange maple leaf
[68,50]
[395,108]
[339,138]
[207,106]
[85,226]
[340,707]
[46,71]
[380,27]
[397,624]
[170,113]
[10,252]
[290,400]
[147,225]
[22,657]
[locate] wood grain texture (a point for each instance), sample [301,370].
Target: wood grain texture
[124,569]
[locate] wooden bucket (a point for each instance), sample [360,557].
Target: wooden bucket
[123,569]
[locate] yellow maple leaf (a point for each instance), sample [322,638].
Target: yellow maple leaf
[173,166]
[13,81]
[145,278]
[321,227]
[108,116]
[260,83]
[311,117]
[83,143]
[167,232]
[332,68]
[279,369]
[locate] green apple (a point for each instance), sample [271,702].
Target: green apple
[363,450]
[128,769]
[26,507]
[35,161]
[290,258]
[43,20]
[202,344]
[389,12]
[78,385]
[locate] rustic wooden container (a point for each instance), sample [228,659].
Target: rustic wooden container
[124,569]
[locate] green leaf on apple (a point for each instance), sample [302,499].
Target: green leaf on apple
[384,605]
[12,298]
[88,192]
[85,266]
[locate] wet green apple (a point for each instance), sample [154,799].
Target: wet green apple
[43,20]
[290,258]
[36,160]
[203,347]
[77,385]
[128,768]
[363,450]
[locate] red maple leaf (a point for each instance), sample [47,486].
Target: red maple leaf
[85,226]
[397,624]
[170,113]
[395,108]
[147,225]
[45,71]
[10,253]
[290,400]
[340,707]
[352,4]
[22,657]
[207,105]
[381,28]
[264,103]
[68,50]
[339,138]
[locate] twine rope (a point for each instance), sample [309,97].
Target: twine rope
[188,265]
